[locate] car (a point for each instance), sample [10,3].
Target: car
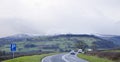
[72,52]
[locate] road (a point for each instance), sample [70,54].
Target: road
[63,58]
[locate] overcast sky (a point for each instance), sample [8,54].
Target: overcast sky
[59,17]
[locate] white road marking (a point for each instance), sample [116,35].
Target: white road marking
[44,59]
[72,58]
[63,58]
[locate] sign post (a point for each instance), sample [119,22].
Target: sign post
[13,48]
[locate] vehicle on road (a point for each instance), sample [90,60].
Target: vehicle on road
[72,52]
[80,50]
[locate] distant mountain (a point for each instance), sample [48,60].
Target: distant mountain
[115,39]
[61,42]
[22,36]
[16,38]
[90,40]
[103,35]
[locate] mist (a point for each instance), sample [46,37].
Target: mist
[49,17]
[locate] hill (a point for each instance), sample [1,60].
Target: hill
[63,42]
[114,38]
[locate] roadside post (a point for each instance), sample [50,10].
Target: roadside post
[13,49]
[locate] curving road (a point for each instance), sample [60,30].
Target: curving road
[63,58]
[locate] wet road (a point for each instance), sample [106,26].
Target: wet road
[63,58]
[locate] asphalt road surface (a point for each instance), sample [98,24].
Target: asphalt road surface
[63,58]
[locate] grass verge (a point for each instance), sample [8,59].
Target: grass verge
[34,58]
[93,58]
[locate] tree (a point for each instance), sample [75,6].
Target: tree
[30,46]
[81,45]
[94,46]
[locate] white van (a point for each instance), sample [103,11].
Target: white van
[80,50]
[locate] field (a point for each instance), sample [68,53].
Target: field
[61,43]
[34,58]
[43,46]
[93,58]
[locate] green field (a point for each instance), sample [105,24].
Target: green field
[50,43]
[20,46]
[93,58]
[34,58]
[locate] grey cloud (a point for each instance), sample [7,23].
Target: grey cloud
[59,16]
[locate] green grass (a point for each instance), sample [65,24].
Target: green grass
[93,58]
[34,58]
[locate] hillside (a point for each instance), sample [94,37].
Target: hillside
[64,42]
[113,38]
